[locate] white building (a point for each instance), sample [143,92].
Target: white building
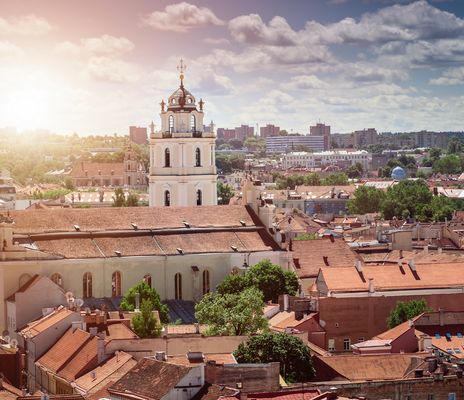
[326,158]
[182,159]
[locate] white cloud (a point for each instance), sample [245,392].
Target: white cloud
[304,82]
[217,41]
[9,51]
[181,17]
[110,70]
[24,25]
[105,45]
[251,29]
[452,76]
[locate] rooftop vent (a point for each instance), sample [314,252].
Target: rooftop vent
[118,253]
[234,248]
[242,222]
[135,226]
[195,356]
[187,225]
[77,228]
[180,251]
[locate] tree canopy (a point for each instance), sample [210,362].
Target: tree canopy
[224,193]
[365,199]
[232,313]
[265,276]
[405,310]
[146,293]
[292,354]
[145,324]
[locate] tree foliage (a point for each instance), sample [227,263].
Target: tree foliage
[120,199]
[146,293]
[227,163]
[265,276]
[224,193]
[292,354]
[355,171]
[405,310]
[232,313]
[145,324]
[450,164]
[365,199]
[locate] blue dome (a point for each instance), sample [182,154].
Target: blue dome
[398,173]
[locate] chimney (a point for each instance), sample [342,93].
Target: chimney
[371,285]
[160,355]
[358,265]
[286,303]
[418,373]
[197,327]
[76,325]
[93,330]
[100,349]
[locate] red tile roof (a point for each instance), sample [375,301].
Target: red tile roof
[82,361]
[96,169]
[311,255]
[42,324]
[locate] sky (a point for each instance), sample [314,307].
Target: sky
[97,67]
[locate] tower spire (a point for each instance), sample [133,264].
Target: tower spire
[181,68]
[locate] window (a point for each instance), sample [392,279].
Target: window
[56,278]
[197,157]
[199,197]
[360,339]
[206,283]
[451,396]
[192,123]
[167,158]
[171,124]
[147,279]
[331,345]
[178,286]
[116,284]
[87,285]
[431,397]
[167,198]
[346,344]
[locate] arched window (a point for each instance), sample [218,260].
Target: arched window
[197,157]
[171,124]
[206,283]
[87,285]
[56,278]
[178,286]
[147,279]
[116,284]
[167,158]
[23,279]
[192,123]
[199,197]
[167,198]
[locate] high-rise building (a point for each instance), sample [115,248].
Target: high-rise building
[365,137]
[431,139]
[244,131]
[225,133]
[138,135]
[269,130]
[182,155]
[283,144]
[321,130]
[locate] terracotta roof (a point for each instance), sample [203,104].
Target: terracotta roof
[37,327]
[219,358]
[311,256]
[120,331]
[100,219]
[9,392]
[396,331]
[110,371]
[24,287]
[369,367]
[64,349]
[451,344]
[81,361]
[80,167]
[392,277]
[214,392]
[289,394]
[280,324]
[183,329]
[149,379]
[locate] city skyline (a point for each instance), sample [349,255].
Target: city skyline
[96,69]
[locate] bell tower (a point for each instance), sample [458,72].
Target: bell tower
[182,155]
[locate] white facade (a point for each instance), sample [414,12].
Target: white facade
[182,155]
[326,158]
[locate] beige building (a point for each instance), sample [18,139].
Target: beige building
[182,154]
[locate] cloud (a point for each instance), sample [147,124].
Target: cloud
[304,82]
[251,29]
[181,17]
[452,76]
[214,84]
[415,21]
[105,45]
[24,25]
[217,41]
[9,51]
[106,69]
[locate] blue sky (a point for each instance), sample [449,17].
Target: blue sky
[97,67]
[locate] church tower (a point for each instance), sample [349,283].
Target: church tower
[182,155]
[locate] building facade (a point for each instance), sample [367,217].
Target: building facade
[269,130]
[138,135]
[323,159]
[182,155]
[365,137]
[321,130]
[283,144]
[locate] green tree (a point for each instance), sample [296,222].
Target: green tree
[454,146]
[119,198]
[146,293]
[450,164]
[312,179]
[290,351]
[132,200]
[145,324]
[365,199]
[68,183]
[405,310]
[336,179]
[406,196]
[265,276]
[355,171]
[224,193]
[232,313]
[307,236]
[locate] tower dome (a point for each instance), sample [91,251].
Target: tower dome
[398,173]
